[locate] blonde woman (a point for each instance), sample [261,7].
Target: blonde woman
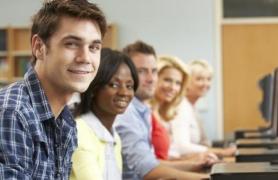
[173,76]
[198,86]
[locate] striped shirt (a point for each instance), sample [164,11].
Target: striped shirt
[33,144]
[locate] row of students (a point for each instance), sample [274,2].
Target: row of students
[38,134]
[134,126]
[99,148]
[161,86]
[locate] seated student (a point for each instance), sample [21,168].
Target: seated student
[172,78]
[37,131]
[98,155]
[199,84]
[134,127]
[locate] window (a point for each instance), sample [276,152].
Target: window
[250,8]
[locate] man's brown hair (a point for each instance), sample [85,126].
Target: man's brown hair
[46,21]
[139,47]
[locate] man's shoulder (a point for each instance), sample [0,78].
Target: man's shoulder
[14,97]
[129,112]
[130,119]
[131,108]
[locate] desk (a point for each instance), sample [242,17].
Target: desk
[257,143]
[256,155]
[229,159]
[244,171]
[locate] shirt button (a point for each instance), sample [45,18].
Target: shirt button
[56,146]
[58,174]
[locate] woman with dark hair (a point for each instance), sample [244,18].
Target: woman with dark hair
[98,155]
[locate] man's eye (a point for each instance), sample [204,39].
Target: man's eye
[95,47]
[141,71]
[71,44]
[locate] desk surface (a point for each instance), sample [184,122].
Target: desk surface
[256,151]
[256,141]
[229,159]
[223,168]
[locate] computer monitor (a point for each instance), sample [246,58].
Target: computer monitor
[269,84]
[266,85]
[275,102]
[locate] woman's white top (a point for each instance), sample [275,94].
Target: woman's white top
[185,132]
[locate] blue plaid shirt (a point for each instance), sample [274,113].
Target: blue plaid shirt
[33,145]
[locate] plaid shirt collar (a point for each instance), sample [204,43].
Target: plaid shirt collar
[39,98]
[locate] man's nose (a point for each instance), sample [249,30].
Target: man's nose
[83,55]
[150,76]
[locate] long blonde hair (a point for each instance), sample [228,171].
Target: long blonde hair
[168,111]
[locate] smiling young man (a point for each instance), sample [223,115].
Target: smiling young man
[37,131]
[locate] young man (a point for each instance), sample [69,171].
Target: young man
[37,131]
[134,126]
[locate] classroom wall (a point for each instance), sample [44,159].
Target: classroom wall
[185,28]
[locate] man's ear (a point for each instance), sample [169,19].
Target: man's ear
[38,47]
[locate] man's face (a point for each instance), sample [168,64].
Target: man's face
[70,60]
[147,72]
